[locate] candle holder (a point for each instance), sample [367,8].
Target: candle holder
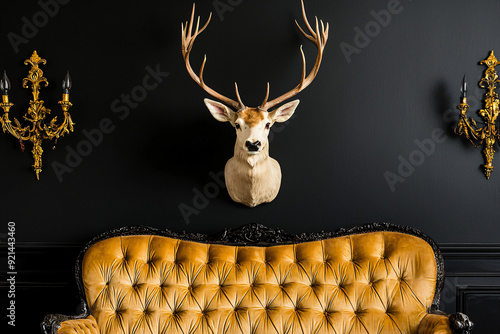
[489,133]
[38,130]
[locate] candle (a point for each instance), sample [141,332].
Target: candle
[5,84]
[464,88]
[66,85]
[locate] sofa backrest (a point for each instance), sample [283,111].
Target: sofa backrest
[379,282]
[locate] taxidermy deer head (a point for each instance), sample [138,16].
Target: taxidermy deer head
[252,177]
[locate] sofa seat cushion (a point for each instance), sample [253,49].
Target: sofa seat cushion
[379,282]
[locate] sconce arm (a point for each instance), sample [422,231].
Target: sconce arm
[54,130]
[16,130]
[468,127]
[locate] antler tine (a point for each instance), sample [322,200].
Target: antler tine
[191,21]
[303,67]
[202,68]
[242,105]
[263,105]
[318,35]
[319,39]
[306,21]
[324,32]
[309,37]
[188,38]
[206,24]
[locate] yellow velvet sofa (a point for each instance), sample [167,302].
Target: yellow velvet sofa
[376,278]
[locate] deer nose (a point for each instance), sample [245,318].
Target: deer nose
[252,147]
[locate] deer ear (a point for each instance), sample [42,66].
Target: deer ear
[219,111]
[283,113]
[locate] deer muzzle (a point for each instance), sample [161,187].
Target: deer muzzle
[253,147]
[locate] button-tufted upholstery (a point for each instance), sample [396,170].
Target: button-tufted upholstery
[380,282]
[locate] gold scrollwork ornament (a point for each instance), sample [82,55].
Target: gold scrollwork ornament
[489,133]
[38,130]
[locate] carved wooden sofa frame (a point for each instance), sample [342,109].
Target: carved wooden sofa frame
[256,235]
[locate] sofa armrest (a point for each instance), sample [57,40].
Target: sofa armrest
[64,324]
[460,323]
[439,322]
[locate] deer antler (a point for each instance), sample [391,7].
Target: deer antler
[317,37]
[188,38]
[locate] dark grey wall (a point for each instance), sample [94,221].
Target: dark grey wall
[379,96]
[372,100]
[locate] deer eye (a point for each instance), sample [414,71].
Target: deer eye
[268,125]
[237,126]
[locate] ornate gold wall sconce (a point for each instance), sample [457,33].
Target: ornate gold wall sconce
[489,133]
[38,130]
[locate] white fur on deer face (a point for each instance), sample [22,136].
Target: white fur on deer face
[252,124]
